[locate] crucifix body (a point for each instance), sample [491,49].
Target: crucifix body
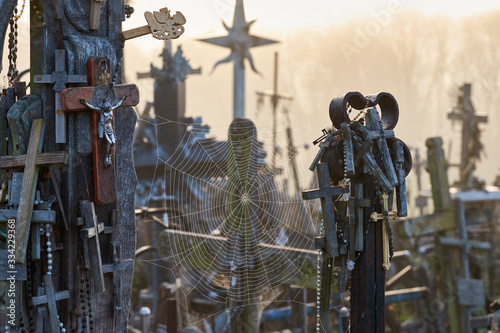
[106,99]
[106,110]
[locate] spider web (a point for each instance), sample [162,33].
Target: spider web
[241,232]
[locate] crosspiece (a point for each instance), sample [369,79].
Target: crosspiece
[70,97]
[41,159]
[38,216]
[385,236]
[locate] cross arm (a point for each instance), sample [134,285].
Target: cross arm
[70,97]
[324,192]
[464,243]
[42,159]
[38,216]
[40,300]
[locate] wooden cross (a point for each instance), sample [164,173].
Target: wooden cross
[60,78]
[104,179]
[49,300]
[326,193]
[25,215]
[95,13]
[385,236]
[91,245]
[27,195]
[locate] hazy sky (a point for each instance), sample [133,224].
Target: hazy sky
[297,25]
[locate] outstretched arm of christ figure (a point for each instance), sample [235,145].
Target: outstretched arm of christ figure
[90,106]
[117,105]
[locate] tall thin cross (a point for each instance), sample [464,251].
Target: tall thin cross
[471,146]
[275,98]
[60,78]
[239,41]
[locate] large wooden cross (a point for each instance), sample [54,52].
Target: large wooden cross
[31,162]
[104,178]
[49,300]
[60,78]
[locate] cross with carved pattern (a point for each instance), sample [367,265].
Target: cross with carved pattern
[392,216]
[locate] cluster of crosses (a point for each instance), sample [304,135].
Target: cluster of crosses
[361,167]
[52,137]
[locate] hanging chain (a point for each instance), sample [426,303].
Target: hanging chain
[318,281]
[12,73]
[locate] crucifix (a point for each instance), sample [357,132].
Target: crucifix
[49,300]
[60,78]
[105,100]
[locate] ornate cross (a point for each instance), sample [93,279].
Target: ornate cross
[161,25]
[60,78]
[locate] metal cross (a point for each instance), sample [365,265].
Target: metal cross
[60,78]
[385,236]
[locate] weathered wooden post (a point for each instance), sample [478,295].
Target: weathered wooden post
[58,256]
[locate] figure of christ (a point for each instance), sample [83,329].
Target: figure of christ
[106,110]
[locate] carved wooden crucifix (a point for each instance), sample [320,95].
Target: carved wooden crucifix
[71,101]
[60,78]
